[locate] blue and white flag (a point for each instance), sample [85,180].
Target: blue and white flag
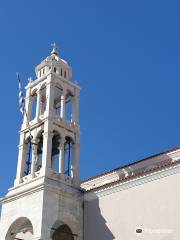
[21,96]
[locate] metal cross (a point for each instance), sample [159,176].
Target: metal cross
[54,46]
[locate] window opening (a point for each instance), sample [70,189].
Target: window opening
[39,153]
[69,107]
[63,232]
[27,168]
[55,153]
[57,100]
[34,103]
[67,155]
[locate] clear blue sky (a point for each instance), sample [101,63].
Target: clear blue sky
[126,57]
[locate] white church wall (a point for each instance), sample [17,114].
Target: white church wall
[29,206]
[149,203]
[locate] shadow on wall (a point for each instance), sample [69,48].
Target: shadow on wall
[94,224]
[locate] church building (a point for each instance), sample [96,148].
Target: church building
[48,201]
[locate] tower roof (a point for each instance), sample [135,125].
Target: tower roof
[53,60]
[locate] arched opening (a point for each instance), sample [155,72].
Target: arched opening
[63,233]
[43,100]
[69,97]
[34,104]
[39,152]
[57,100]
[21,229]
[28,157]
[55,152]
[64,74]
[68,155]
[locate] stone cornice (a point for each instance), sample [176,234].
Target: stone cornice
[36,185]
[66,81]
[22,194]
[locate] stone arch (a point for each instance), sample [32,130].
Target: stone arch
[34,91]
[69,135]
[20,228]
[69,92]
[57,84]
[68,155]
[69,100]
[39,149]
[66,222]
[63,232]
[55,151]
[38,132]
[28,155]
[33,103]
[43,99]
[57,130]
[58,91]
[43,85]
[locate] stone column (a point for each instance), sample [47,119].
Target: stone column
[75,161]
[61,155]
[28,108]
[38,104]
[63,105]
[49,97]
[21,160]
[34,157]
[75,109]
[47,152]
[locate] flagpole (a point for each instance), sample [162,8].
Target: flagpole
[24,112]
[23,106]
[29,130]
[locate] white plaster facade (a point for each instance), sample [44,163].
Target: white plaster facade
[117,207]
[137,201]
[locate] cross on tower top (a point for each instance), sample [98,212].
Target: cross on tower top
[54,48]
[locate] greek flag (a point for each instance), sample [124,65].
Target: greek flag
[21,97]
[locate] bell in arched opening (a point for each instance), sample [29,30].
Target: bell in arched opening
[55,152]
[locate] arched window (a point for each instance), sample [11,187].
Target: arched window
[34,104]
[54,69]
[57,100]
[28,159]
[55,152]
[43,99]
[63,232]
[39,152]
[21,229]
[69,106]
[64,74]
[68,155]
[61,72]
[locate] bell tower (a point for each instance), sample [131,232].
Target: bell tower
[46,200]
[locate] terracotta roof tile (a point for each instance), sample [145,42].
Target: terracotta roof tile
[165,165]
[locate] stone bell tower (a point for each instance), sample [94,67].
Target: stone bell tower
[46,200]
